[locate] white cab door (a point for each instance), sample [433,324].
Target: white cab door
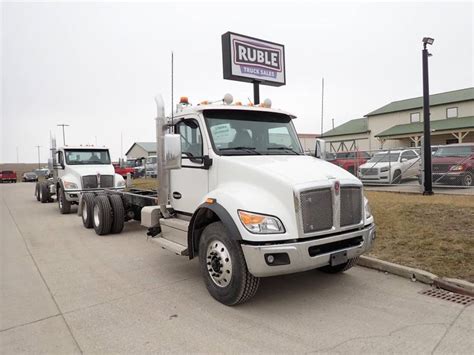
[190,184]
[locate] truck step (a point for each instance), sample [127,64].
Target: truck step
[176,248]
[174,230]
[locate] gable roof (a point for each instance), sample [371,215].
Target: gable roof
[147,146]
[356,126]
[436,125]
[417,102]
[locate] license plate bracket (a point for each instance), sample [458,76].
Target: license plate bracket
[338,258]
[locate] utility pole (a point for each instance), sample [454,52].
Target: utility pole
[428,183]
[39,156]
[333,123]
[64,136]
[172,86]
[322,107]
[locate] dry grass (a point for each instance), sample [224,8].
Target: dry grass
[144,183]
[433,233]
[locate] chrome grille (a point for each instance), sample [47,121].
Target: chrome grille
[316,210]
[91,181]
[369,171]
[351,205]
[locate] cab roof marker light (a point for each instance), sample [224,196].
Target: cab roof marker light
[228,99]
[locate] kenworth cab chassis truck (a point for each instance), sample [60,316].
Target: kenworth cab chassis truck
[77,169]
[236,191]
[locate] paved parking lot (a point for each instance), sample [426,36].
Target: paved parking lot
[66,290]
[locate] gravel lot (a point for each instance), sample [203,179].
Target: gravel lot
[66,290]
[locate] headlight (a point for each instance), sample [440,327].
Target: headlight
[69,185]
[121,183]
[368,212]
[457,168]
[261,224]
[383,170]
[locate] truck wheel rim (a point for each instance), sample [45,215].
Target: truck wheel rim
[219,263]
[96,216]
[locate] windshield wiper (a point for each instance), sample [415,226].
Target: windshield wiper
[246,149]
[286,149]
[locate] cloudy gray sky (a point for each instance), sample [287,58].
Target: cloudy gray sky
[97,66]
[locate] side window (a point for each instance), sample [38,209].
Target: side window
[191,139]
[409,155]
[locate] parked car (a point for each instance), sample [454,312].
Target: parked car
[123,170]
[454,164]
[7,176]
[43,172]
[391,166]
[29,177]
[137,166]
[151,169]
[351,161]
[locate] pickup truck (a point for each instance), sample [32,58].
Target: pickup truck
[7,176]
[236,191]
[351,161]
[123,171]
[454,164]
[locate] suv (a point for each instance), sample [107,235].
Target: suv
[351,161]
[454,163]
[391,166]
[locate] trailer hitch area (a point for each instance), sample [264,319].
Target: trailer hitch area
[153,232]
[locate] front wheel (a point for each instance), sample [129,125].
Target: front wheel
[223,267]
[339,268]
[64,205]
[467,179]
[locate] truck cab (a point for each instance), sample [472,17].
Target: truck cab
[79,169]
[237,191]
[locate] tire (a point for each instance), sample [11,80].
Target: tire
[87,209]
[397,177]
[339,268]
[118,214]
[64,205]
[37,188]
[467,179]
[102,215]
[219,256]
[45,196]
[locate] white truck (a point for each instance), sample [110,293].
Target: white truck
[77,169]
[236,191]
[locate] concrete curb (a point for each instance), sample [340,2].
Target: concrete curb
[412,273]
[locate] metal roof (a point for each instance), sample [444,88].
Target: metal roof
[147,146]
[356,126]
[449,124]
[417,102]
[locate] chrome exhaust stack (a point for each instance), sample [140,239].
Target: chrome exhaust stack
[162,173]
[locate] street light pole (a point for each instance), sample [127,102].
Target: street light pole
[428,184]
[64,136]
[39,157]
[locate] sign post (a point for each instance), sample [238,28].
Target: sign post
[254,61]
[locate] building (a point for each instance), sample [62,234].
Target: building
[400,124]
[140,150]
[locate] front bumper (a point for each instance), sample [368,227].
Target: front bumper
[299,254]
[73,195]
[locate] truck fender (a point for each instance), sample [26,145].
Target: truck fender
[204,215]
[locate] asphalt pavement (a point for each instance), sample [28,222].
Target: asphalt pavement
[66,290]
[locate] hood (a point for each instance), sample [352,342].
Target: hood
[83,170]
[379,165]
[449,160]
[292,169]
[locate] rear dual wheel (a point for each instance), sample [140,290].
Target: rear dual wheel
[108,213]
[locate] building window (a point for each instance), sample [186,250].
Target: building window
[451,112]
[414,117]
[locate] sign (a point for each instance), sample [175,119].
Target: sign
[253,60]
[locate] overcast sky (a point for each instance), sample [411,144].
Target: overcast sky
[97,66]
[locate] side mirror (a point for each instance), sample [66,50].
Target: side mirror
[172,153]
[320,149]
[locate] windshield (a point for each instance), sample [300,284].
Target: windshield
[235,132]
[384,158]
[454,151]
[87,157]
[151,160]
